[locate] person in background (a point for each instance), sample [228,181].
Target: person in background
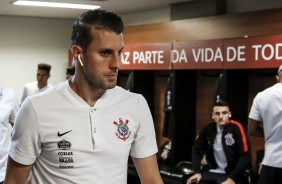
[266,120]
[42,75]
[8,109]
[84,129]
[70,72]
[225,147]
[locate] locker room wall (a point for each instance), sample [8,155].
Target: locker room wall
[240,94]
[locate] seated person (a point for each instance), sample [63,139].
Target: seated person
[225,146]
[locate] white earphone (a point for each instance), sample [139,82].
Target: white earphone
[229,115]
[79,59]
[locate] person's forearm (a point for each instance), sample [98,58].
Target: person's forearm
[17,173]
[196,160]
[258,132]
[254,129]
[242,165]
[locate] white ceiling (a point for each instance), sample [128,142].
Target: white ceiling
[117,6]
[124,7]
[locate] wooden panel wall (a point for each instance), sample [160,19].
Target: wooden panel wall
[206,87]
[216,27]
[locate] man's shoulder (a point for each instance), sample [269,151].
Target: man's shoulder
[119,94]
[49,85]
[209,126]
[121,91]
[271,89]
[8,90]
[233,123]
[30,84]
[9,94]
[267,93]
[51,92]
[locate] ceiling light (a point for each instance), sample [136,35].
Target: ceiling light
[55,5]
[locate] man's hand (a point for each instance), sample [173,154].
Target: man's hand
[195,178]
[228,181]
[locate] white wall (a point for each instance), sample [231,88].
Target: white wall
[25,42]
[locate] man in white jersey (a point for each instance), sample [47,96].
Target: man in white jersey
[84,129]
[267,109]
[8,109]
[226,148]
[42,76]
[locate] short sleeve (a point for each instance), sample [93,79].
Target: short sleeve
[15,108]
[25,145]
[254,113]
[144,144]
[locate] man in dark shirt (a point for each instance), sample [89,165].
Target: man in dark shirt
[225,146]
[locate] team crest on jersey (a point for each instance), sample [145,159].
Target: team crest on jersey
[123,131]
[64,145]
[229,140]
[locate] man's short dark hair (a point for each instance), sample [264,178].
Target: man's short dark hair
[70,70]
[99,19]
[221,103]
[44,66]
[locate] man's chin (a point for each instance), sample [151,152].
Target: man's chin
[111,85]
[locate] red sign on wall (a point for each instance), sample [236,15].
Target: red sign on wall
[197,55]
[147,57]
[254,52]
[239,53]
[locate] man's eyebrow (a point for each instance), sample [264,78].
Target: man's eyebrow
[105,49]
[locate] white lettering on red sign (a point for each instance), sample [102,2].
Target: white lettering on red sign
[273,52]
[148,57]
[207,55]
[233,54]
[125,58]
[177,57]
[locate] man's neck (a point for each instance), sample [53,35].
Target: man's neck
[40,86]
[89,95]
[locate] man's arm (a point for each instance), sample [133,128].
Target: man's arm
[14,110]
[202,143]
[148,170]
[243,144]
[24,95]
[255,128]
[16,173]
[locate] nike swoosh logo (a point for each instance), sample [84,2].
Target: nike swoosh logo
[61,134]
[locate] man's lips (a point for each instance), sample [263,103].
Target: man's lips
[112,77]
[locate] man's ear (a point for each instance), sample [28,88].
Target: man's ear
[277,78]
[75,50]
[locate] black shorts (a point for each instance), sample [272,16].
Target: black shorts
[269,175]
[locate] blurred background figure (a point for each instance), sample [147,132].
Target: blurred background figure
[43,74]
[8,108]
[70,72]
